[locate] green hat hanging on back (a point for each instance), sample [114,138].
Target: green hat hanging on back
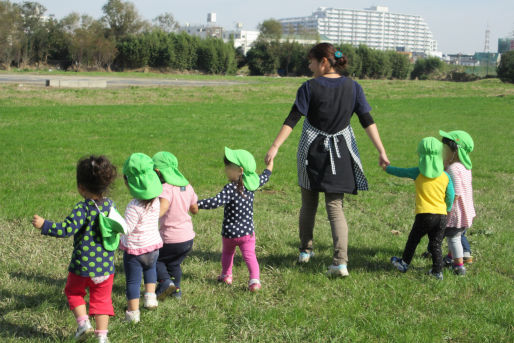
[246,161]
[143,181]
[167,164]
[430,151]
[111,226]
[465,145]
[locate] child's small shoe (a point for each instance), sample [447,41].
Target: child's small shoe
[447,261]
[399,264]
[468,259]
[150,301]
[102,339]
[459,270]
[254,285]
[305,257]
[177,294]
[132,316]
[438,276]
[84,331]
[165,288]
[339,270]
[226,279]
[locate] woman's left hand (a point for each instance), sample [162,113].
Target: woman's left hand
[270,156]
[383,161]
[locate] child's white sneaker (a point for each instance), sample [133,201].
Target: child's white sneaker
[150,301]
[84,331]
[103,339]
[132,316]
[339,270]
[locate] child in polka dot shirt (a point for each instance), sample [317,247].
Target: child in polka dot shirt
[238,228]
[91,265]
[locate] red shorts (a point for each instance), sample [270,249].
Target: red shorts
[100,301]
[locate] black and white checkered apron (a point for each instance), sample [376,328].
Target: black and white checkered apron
[309,134]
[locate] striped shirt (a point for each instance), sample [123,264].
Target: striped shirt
[463,210]
[143,223]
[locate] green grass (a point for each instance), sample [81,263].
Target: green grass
[43,132]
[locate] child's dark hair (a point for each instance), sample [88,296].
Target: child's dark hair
[95,174]
[240,185]
[335,57]
[451,144]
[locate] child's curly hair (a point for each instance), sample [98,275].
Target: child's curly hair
[96,174]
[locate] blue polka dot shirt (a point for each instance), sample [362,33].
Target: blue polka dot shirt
[89,258]
[238,213]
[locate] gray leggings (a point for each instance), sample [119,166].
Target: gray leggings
[334,205]
[454,239]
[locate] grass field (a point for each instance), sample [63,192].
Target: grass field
[43,132]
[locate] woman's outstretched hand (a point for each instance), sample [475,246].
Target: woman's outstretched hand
[270,155]
[383,161]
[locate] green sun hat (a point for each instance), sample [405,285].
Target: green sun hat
[465,145]
[143,181]
[430,151]
[167,164]
[245,160]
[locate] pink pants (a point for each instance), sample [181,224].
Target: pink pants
[247,246]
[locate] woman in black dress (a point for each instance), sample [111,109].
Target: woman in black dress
[328,159]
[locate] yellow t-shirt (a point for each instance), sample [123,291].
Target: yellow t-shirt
[430,194]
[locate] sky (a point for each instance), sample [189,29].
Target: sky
[458,26]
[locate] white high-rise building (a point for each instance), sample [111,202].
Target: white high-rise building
[376,27]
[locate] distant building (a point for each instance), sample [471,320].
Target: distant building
[376,27]
[242,38]
[211,29]
[505,44]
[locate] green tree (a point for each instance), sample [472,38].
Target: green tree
[270,29]
[122,18]
[262,60]
[506,67]
[425,67]
[400,65]
[166,22]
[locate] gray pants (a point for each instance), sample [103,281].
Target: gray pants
[334,205]
[454,240]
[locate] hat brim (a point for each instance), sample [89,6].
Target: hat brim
[231,156]
[431,166]
[173,177]
[463,154]
[251,181]
[145,186]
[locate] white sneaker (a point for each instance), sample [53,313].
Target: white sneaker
[305,257]
[132,316]
[84,331]
[103,339]
[150,301]
[340,270]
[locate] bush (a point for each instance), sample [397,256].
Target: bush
[262,59]
[506,68]
[424,68]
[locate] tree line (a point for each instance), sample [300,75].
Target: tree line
[118,40]
[121,39]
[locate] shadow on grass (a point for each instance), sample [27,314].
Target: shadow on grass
[9,330]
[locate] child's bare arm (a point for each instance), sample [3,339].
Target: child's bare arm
[193,209]
[165,205]
[269,165]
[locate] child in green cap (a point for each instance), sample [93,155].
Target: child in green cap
[457,146]
[91,265]
[237,197]
[434,199]
[143,241]
[178,199]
